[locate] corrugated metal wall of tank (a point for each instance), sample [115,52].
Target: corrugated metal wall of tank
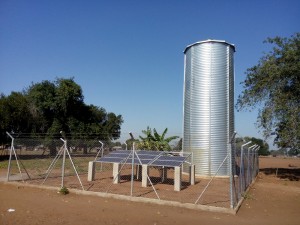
[208,105]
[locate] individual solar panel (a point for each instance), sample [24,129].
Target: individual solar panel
[138,162]
[120,151]
[145,152]
[110,160]
[171,158]
[119,155]
[166,163]
[170,161]
[115,157]
[142,158]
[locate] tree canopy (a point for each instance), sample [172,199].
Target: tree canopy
[273,85]
[50,107]
[155,141]
[263,146]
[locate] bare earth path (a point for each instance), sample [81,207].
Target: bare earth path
[271,200]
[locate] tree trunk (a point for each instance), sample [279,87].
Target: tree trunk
[52,149]
[85,149]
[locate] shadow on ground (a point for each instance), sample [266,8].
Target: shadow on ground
[292,174]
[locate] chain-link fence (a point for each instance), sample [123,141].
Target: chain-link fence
[76,164]
[247,167]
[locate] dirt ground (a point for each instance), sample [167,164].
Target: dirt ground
[273,199]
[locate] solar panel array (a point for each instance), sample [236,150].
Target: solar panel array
[143,157]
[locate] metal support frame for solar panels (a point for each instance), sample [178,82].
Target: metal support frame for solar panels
[13,151]
[168,154]
[152,163]
[136,154]
[63,151]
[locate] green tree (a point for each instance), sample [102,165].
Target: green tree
[41,99]
[68,100]
[147,142]
[47,108]
[155,141]
[263,146]
[59,106]
[274,86]
[112,126]
[14,113]
[178,147]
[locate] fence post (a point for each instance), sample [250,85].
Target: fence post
[249,170]
[10,156]
[230,166]
[12,150]
[63,163]
[255,161]
[241,175]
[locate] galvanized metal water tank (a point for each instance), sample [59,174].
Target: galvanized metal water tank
[208,105]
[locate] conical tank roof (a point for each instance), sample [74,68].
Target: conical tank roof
[208,41]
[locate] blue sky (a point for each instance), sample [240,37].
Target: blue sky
[128,55]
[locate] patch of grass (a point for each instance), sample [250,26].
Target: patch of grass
[39,166]
[247,196]
[4,165]
[64,191]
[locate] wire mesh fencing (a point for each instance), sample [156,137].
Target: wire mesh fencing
[76,164]
[246,168]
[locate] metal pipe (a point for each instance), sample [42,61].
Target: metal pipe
[132,164]
[63,162]
[230,164]
[12,150]
[248,163]
[50,168]
[102,149]
[10,156]
[74,168]
[132,138]
[256,161]
[233,137]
